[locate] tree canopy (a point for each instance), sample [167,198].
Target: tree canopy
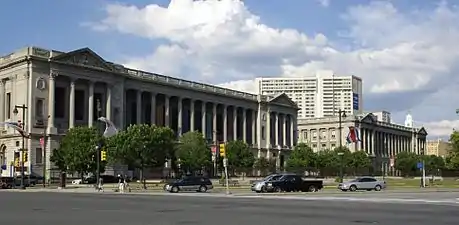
[239,155]
[77,151]
[141,146]
[302,158]
[193,152]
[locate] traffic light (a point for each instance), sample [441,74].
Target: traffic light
[103,155]
[222,150]
[25,156]
[16,162]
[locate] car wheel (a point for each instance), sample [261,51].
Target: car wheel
[174,189]
[312,188]
[277,189]
[202,188]
[378,188]
[263,189]
[353,188]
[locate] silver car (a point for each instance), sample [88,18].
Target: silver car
[362,183]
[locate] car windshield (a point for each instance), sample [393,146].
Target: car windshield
[272,177]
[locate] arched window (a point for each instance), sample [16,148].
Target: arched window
[2,155]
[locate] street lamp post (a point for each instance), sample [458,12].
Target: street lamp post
[15,111]
[99,145]
[341,115]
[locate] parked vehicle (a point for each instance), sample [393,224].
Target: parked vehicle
[6,182]
[363,183]
[293,183]
[189,183]
[260,186]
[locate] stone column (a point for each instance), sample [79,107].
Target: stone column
[166,110]
[234,123]
[276,129]
[284,130]
[2,102]
[244,125]
[51,99]
[72,104]
[108,103]
[91,104]
[180,116]
[268,134]
[153,108]
[139,108]
[191,115]
[292,131]
[214,122]
[225,123]
[204,119]
[254,127]
[372,147]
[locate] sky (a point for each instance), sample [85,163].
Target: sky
[405,51]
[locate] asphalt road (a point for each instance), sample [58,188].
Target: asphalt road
[113,209]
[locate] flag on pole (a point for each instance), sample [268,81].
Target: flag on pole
[110,128]
[353,135]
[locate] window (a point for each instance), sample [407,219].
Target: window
[8,105]
[38,156]
[39,107]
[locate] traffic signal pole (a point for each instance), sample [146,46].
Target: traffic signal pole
[222,148]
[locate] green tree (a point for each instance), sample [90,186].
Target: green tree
[406,162]
[239,155]
[452,160]
[77,151]
[359,162]
[265,166]
[327,162]
[141,146]
[302,158]
[193,151]
[433,164]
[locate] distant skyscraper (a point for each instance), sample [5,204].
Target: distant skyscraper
[314,95]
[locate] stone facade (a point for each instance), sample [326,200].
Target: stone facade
[62,90]
[380,140]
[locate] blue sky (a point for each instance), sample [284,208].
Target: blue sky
[404,50]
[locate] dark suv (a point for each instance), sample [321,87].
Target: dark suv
[190,183]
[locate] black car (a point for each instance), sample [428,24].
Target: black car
[106,179]
[293,183]
[189,183]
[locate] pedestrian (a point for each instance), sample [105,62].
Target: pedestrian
[120,183]
[101,185]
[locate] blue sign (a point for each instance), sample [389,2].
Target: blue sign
[355,101]
[3,167]
[420,165]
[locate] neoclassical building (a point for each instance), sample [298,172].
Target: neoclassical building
[380,140]
[66,89]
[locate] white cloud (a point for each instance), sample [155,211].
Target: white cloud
[401,54]
[324,3]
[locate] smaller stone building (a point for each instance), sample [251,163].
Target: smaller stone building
[380,140]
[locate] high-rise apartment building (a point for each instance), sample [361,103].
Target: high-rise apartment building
[438,148]
[319,96]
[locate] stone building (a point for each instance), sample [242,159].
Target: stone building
[66,89]
[380,140]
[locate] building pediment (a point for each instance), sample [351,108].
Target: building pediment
[83,57]
[283,99]
[368,118]
[422,131]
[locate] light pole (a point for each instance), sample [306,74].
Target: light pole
[43,146]
[15,111]
[99,146]
[341,166]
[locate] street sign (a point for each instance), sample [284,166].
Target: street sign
[214,150]
[420,165]
[3,167]
[42,143]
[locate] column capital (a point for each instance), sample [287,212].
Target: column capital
[53,74]
[2,82]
